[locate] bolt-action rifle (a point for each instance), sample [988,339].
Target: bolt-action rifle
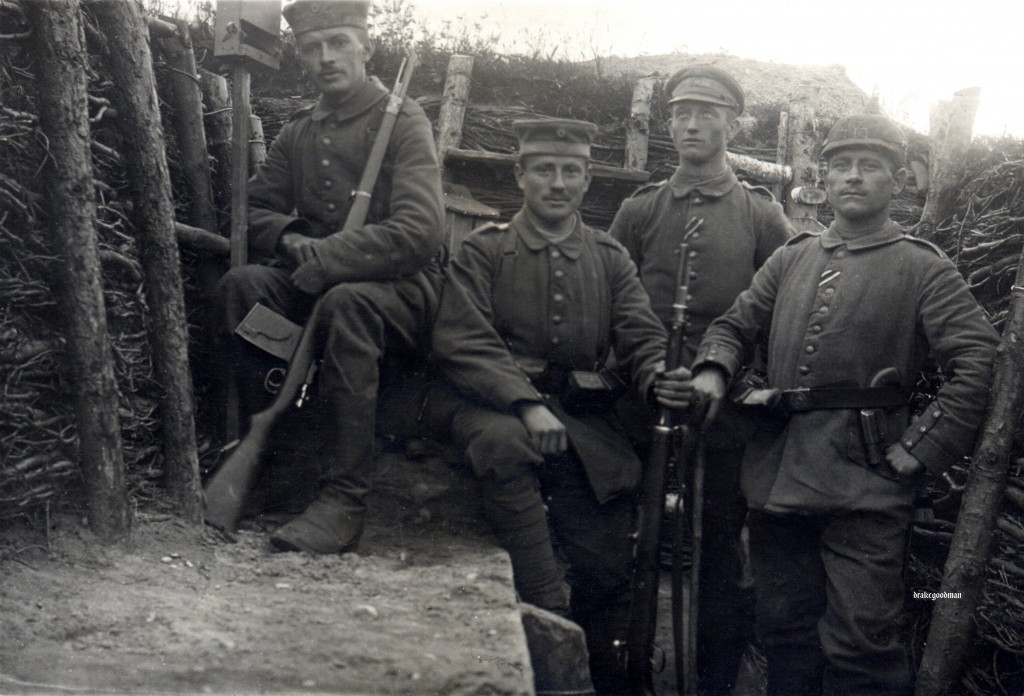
[226,491]
[640,648]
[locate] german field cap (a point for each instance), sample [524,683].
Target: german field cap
[706,83]
[874,131]
[556,136]
[306,15]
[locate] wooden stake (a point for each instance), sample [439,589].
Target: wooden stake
[803,157]
[453,105]
[952,624]
[639,127]
[240,112]
[64,118]
[257,144]
[130,69]
[952,123]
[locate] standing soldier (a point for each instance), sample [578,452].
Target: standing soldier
[851,315]
[379,282]
[741,229]
[531,311]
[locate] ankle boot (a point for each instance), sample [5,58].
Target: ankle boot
[333,523]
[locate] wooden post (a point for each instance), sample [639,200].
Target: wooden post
[952,123]
[803,157]
[240,111]
[189,128]
[952,623]
[217,100]
[639,127]
[453,105]
[782,154]
[64,117]
[130,68]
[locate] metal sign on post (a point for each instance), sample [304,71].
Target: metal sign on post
[246,32]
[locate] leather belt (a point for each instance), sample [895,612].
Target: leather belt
[823,398]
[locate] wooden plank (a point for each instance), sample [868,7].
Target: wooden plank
[453,105]
[507,160]
[803,157]
[638,127]
[762,171]
[201,240]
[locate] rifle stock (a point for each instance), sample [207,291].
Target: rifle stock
[224,495]
[640,644]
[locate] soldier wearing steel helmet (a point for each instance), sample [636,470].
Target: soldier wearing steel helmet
[741,228]
[379,282]
[530,310]
[851,314]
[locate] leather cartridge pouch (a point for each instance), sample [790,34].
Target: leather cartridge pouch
[588,391]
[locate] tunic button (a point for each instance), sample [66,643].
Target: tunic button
[816,328]
[829,292]
[328,183]
[697,200]
[325,140]
[923,429]
[693,254]
[809,349]
[840,254]
[908,443]
[694,235]
[559,274]
[693,274]
[558,297]
[936,414]
[555,253]
[803,369]
[555,340]
[325,162]
[824,309]
[556,318]
[331,207]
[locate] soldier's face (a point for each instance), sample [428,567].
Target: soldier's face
[334,58]
[553,185]
[701,131]
[861,182]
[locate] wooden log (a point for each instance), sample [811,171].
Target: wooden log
[952,123]
[130,67]
[240,112]
[453,105]
[188,125]
[781,153]
[952,624]
[639,126]
[217,100]
[760,170]
[62,62]
[803,157]
[202,240]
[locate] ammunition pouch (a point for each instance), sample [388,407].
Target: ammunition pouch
[579,391]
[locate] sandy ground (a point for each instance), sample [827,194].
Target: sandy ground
[425,607]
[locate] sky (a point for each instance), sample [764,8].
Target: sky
[912,54]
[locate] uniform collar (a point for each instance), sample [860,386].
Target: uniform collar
[362,99]
[571,246]
[886,234]
[715,187]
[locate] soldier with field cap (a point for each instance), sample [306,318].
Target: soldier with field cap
[530,313]
[851,314]
[741,227]
[379,282]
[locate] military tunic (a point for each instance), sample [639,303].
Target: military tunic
[741,229]
[837,311]
[566,304]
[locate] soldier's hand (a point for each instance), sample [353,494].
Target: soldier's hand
[902,462]
[674,389]
[308,278]
[298,248]
[708,391]
[547,433]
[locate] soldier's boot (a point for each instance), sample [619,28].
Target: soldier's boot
[333,523]
[517,514]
